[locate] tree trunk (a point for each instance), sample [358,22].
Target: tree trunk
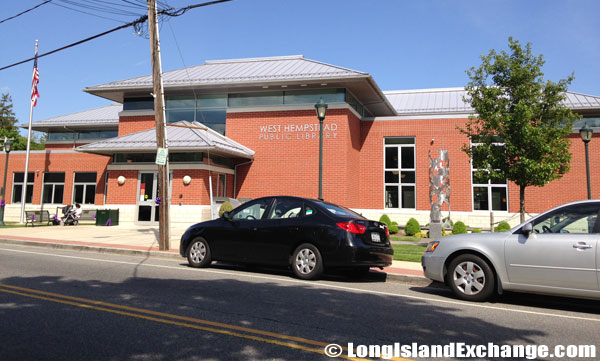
[522,202]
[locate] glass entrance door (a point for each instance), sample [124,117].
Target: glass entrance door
[147,209]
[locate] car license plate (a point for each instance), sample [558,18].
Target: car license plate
[375,237]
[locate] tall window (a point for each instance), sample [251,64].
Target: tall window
[489,194]
[18,180]
[54,186]
[84,188]
[400,172]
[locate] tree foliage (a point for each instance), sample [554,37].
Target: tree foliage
[521,123]
[9,129]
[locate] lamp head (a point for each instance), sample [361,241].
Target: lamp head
[321,108]
[586,133]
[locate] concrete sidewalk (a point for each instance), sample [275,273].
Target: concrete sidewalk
[134,239]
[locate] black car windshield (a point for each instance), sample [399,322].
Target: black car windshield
[341,211]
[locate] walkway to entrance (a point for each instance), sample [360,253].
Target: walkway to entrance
[129,235]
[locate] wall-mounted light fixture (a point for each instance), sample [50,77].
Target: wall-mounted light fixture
[121,180]
[187,180]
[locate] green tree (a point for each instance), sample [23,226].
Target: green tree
[9,129]
[520,120]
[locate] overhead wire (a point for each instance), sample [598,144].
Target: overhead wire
[24,12]
[138,22]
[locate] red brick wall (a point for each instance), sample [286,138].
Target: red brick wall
[68,163]
[132,124]
[287,163]
[125,193]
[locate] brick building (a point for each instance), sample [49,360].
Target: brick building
[250,126]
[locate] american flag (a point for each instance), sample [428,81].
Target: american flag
[34,83]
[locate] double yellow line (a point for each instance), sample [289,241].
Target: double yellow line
[293,342]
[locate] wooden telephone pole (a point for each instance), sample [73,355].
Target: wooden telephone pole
[161,130]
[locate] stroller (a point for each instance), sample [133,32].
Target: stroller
[68,217]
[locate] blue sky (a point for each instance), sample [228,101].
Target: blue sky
[402,44]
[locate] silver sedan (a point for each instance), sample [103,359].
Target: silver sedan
[556,252]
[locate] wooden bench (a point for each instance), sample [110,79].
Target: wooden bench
[40,217]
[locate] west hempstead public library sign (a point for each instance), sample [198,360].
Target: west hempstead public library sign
[296,131]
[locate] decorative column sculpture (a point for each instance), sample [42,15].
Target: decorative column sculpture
[439,191]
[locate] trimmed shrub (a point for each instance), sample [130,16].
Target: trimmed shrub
[385,219]
[459,228]
[475,230]
[225,207]
[502,226]
[412,227]
[393,228]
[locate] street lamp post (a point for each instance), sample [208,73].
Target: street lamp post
[7,148]
[321,108]
[586,136]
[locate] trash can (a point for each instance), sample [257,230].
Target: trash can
[107,217]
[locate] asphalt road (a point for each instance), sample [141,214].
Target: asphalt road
[68,305]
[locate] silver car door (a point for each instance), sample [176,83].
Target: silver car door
[560,252]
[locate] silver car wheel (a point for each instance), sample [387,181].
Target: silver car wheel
[198,252]
[469,278]
[306,261]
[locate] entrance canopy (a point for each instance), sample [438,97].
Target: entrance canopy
[183,136]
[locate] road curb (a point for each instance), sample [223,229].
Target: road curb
[389,277]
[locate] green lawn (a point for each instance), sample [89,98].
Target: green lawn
[404,238]
[408,252]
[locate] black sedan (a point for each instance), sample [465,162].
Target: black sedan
[306,234]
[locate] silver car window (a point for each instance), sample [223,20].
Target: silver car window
[578,219]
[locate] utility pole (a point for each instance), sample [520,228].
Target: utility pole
[161,130]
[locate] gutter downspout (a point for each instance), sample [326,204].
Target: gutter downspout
[235,176]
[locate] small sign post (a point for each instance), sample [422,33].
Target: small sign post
[161,156]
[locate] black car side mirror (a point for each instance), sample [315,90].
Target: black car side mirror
[527,229]
[227,215]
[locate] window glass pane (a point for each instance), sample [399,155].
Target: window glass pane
[308,211]
[212,101]
[408,197]
[574,219]
[285,208]
[480,178]
[90,193]
[61,135]
[499,199]
[408,177]
[391,197]
[17,193]
[392,176]
[480,198]
[391,157]
[47,193]
[214,119]
[180,102]
[19,177]
[255,99]
[400,140]
[138,103]
[340,211]
[54,177]
[314,96]
[78,193]
[98,134]
[408,157]
[185,157]
[85,177]
[174,116]
[252,211]
[58,193]
[498,180]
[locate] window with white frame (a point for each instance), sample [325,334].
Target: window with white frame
[54,187]
[84,187]
[17,191]
[489,193]
[400,172]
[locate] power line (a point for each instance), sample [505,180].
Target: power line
[24,12]
[138,22]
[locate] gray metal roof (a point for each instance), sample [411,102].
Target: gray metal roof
[254,74]
[182,136]
[240,70]
[104,117]
[450,101]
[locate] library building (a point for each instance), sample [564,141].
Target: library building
[250,127]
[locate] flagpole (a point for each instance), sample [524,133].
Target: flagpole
[32,102]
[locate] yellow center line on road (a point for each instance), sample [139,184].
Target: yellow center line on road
[144,314]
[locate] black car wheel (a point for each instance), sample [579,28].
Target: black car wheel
[307,263]
[198,253]
[470,278]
